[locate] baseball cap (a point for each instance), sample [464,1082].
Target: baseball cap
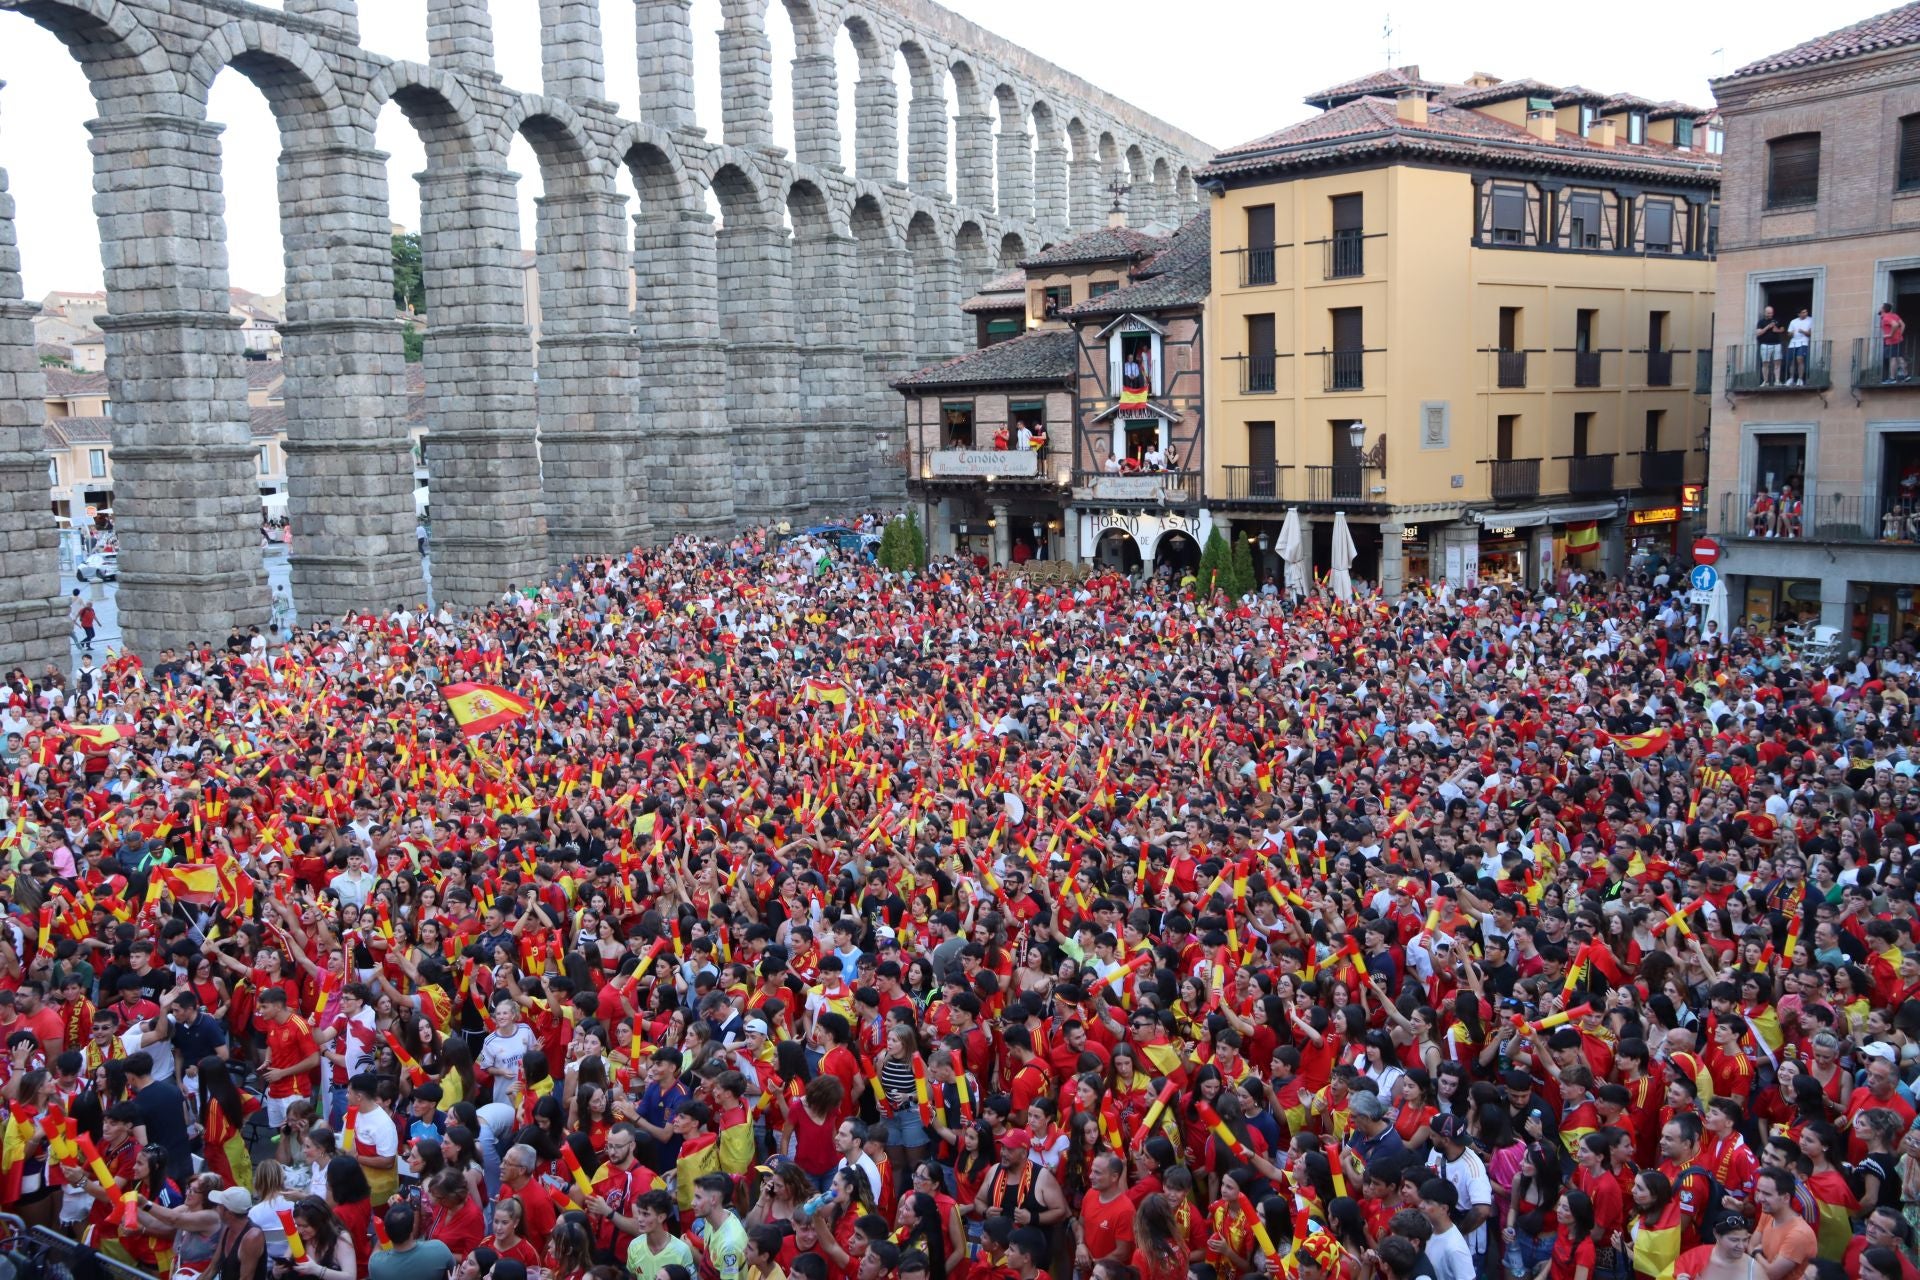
[1017,1138]
[1880,1049]
[1452,1128]
[756,1027]
[233,1199]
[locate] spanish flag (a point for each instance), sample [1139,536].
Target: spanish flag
[196,882]
[1656,1243]
[1641,745]
[97,736]
[1165,1060]
[482,708]
[1834,1198]
[824,691]
[1583,535]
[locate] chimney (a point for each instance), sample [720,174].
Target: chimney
[1602,134]
[1542,120]
[1412,106]
[1116,217]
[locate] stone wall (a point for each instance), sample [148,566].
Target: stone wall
[748,384]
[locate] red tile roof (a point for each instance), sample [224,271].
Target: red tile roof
[1890,30]
[1505,91]
[63,384]
[1371,128]
[1388,80]
[1103,244]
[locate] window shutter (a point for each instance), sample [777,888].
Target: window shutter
[1260,226]
[1910,152]
[1659,224]
[1113,365]
[1509,209]
[1793,169]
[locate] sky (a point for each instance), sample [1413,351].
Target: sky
[1224,70]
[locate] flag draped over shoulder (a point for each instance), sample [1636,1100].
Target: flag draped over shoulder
[482,708]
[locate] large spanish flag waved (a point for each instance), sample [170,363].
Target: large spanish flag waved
[197,882]
[1641,745]
[824,691]
[482,708]
[97,736]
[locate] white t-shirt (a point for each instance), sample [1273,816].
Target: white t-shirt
[374,1134]
[1452,1260]
[1799,331]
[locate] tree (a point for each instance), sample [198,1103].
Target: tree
[413,342]
[916,539]
[1243,579]
[1216,564]
[409,279]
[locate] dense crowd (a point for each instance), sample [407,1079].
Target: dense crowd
[761,916]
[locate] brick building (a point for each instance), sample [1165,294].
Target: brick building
[1815,471]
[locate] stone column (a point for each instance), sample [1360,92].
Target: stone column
[940,536]
[746,78]
[681,373]
[886,354]
[665,50]
[832,377]
[33,621]
[489,522]
[876,149]
[1050,183]
[1393,571]
[1613,548]
[762,374]
[1088,205]
[973,160]
[1836,608]
[939,326]
[927,145]
[1014,149]
[349,460]
[460,36]
[592,469]
[341,15]
[572,56]
[1002,533]
[816,110]
[1070,535]
[186,497]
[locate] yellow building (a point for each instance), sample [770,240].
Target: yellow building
[1472,317]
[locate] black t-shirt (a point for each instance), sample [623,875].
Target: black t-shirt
[1769,332]
[163,1112]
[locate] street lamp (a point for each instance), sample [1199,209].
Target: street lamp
[1357,433]
[1263,542]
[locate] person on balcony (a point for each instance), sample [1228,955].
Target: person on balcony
[1000,439]
[1760,516]
[1172,456]
[1037,437]
[1799,342]
[1768,335]
[1893,348]
[1786,515]
[1156,459]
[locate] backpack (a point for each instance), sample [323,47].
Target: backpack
[1704,1215]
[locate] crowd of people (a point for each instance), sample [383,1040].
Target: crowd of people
[740,918]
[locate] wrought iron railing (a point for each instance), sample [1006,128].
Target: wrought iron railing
[1878,364]
[1256,483]
[1346,370]
[1257,267]
[1515,478]
[1849,516]
[1663,469]
[1659,368]
[1783,369]
[1586,368]
[1590,475]
[1512,368]
[1258,373]
[1341,482]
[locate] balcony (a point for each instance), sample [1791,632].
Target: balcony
[1703,372]
[1512,368]
[1590,476]
[1346,255]
[1876,365]
[1747,374]
[1515,479]
[1257,373]
[1659,368]
[1256,484]
[1586,368]
[1346,370]
[1154,488]
[1847,517]
[1342,482]
[1663,469]
[1257,267]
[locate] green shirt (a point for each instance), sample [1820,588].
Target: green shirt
[643,1261]
[726,1245]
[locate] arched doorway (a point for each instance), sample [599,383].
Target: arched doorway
[1116,549]
[1176,552]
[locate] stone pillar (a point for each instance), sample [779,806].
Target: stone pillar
[876,142]
[665,50]
[592,469]
[460,36]
[973,160]
[939,326]
[1014,148]
[572,56]
[489,522]
[1002,533]
[1613,548]
[33,621]
[681,374]
[816,110]
[1836,608]
[746,78]
[770,456]
[349,460]
[1050,183]
[832,377]
[342,16]
[1087,206]
[1393,564]
[940,537]
[186,497]
[927,145]
[1070,535]
[886,354]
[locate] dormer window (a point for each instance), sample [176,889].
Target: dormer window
[1135,356]
[1636,127]
[1682,132]
[1716,140]
[1589,116]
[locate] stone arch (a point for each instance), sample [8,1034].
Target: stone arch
[876,107]
[289,73]
[119,55]
[569,160]
[972,138]
[736,183]
[971,253]
[936,290]
[1163,209]
[1183,193]
[1013,248]
[1084,208]
[1049,165]
[649,156]
[927,123]
[754,277]
[1113,174]
[1138,180]
[826,332]
[435,105]
[1013,156]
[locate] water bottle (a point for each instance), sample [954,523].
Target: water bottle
[815,1205]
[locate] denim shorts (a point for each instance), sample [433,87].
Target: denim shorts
[904,1128]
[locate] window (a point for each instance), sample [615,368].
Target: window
[1510,328]
[97,463]
[1656,418]
[1260,360]
[53,472]
[1348,359]
[1589,116]
[1636,127]
[1793,170]
[1259,264]
[957,419]
[1349,243]
[1505,429]
[1000,328]
[1582,434]
[1584,321]
[1101,288]
[266,459]
[1583,221]
[1261,473]
[1031,414]
[1055,297]
[1909,156]
[1657,330]
[1716,140]
[1659,214]
[1509,215]
[1682,132]
[1133,364]
[1141,436]
[1713,228]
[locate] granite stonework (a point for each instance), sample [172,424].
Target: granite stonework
[746,382]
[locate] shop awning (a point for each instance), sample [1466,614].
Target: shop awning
[1534,517]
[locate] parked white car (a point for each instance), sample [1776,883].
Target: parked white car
[100,566]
